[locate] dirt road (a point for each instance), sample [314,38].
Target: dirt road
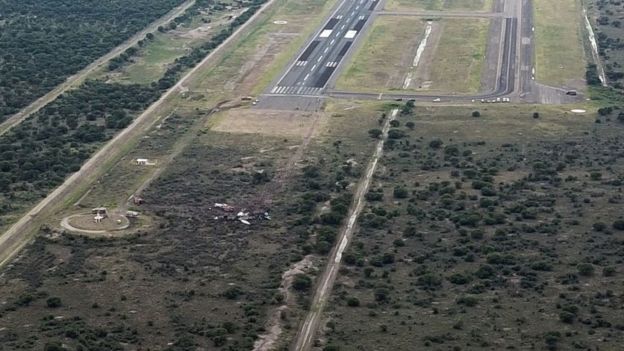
[305,336]
[78,78]
[19,234]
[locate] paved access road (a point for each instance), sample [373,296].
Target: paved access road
[316,63]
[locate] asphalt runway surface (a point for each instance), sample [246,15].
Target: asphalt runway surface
[310,72]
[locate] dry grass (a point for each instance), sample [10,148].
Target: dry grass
[382,61]
[268,122]
[459,58]
[560,56]
[474,5]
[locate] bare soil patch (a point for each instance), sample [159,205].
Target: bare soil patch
[268,122]
[86,223]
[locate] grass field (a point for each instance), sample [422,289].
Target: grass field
[560,57]
[459,59]
[380,63]
[474,5]
[384,60]
[152,61]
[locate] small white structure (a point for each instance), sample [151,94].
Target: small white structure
[142,161]
[100,213]
[132,214]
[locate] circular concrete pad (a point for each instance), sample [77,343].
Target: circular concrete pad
[85,223]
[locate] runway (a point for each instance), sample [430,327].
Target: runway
[311,75]
[316,63]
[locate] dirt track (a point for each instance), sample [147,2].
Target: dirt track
[77,79]
[305,336]
[19,234]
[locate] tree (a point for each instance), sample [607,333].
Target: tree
[605,111]
[476,114]
[353,302]
[399,192]
[233,292]
[585,269]
[608,271]
[396,134]
[435,144]
[53,346]
[301,282]
[410,125]
[381,295]
[599,226]
[54,302]
[375,133]
[469,301]
[536,115]
[567,317]
[618,224]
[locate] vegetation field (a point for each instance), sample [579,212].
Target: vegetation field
[382,64]
[151,59]
[460,55]
[607,22]
[44,149]
[474,5]
[34,58]
[191,281]
[488,231]
[560,57]
[382,61]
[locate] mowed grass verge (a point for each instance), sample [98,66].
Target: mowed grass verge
[380,63]
[259,57]
[560,57]
[437,5]
[460,55]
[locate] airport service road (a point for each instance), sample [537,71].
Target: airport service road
[310,72]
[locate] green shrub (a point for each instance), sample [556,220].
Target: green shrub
[301,282]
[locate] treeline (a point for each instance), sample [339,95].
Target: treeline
[39,153]
[197,54]
[36,155]
[42,42]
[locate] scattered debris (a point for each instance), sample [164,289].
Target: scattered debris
[242,215]
[224,207]
[144,162]
[100,214]
[137,200]
[132,214]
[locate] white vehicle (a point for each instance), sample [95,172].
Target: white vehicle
[436,100]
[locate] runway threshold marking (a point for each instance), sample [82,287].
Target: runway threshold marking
[350,34]
[326,33]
